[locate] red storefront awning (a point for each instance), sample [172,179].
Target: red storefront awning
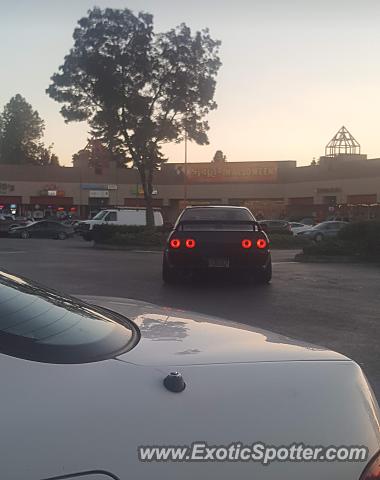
[53,201]
[9,199]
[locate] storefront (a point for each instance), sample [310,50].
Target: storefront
[10,204]
[270,189]
[97,199]
[51,206]
[99,196]
[138,199]
[301,207]
[262,207]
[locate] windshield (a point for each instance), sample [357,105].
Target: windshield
[100,215]
[320,226]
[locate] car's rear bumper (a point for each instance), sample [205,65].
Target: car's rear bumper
[190,260]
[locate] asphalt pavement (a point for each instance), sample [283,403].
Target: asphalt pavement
[333,305]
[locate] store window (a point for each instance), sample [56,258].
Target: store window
[329,200]
[301,201]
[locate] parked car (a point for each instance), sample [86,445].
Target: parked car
[281,227]
[25,220]
[298,227]
[43,229]
[323,230]
[223,238]
[7,216]
[85,388]
[75,224]
[71,222]
[117,216]
[308,221]
[8,221]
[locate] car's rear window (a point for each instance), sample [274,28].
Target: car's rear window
[42,325]
[227,214]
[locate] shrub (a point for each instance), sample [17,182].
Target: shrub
[130,235]
[141,235]
[287,241]
[355,239]
[364,236]
[328,247]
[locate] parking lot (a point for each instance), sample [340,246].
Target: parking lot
[336,306]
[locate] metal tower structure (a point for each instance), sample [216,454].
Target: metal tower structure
[343,143]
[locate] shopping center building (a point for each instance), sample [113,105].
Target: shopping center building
[343,183]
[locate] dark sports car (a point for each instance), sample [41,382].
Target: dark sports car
[217,238]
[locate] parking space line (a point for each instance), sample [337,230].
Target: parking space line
[18,251]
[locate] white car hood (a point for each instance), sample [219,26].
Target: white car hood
[91,222]
[174,337]
[241,386]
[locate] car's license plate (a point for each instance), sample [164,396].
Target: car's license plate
[218,262]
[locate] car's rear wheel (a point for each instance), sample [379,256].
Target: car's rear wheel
[25,234]
[265,276]
[169,274]
[62,236]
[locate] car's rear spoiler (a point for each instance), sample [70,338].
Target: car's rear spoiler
[256,226]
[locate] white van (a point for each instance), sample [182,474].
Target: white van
[118,216]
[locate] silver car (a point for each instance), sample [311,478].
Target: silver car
[323,230]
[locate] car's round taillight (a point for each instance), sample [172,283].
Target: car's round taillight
[246,243]
[372,472]
[261,243]
[190,243]
[175,243]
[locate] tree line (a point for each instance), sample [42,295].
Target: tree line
[136,88]
[21,133]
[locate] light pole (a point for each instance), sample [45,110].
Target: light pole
[80,192]
[185,179]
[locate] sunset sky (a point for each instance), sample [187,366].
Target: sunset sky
[294,71]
